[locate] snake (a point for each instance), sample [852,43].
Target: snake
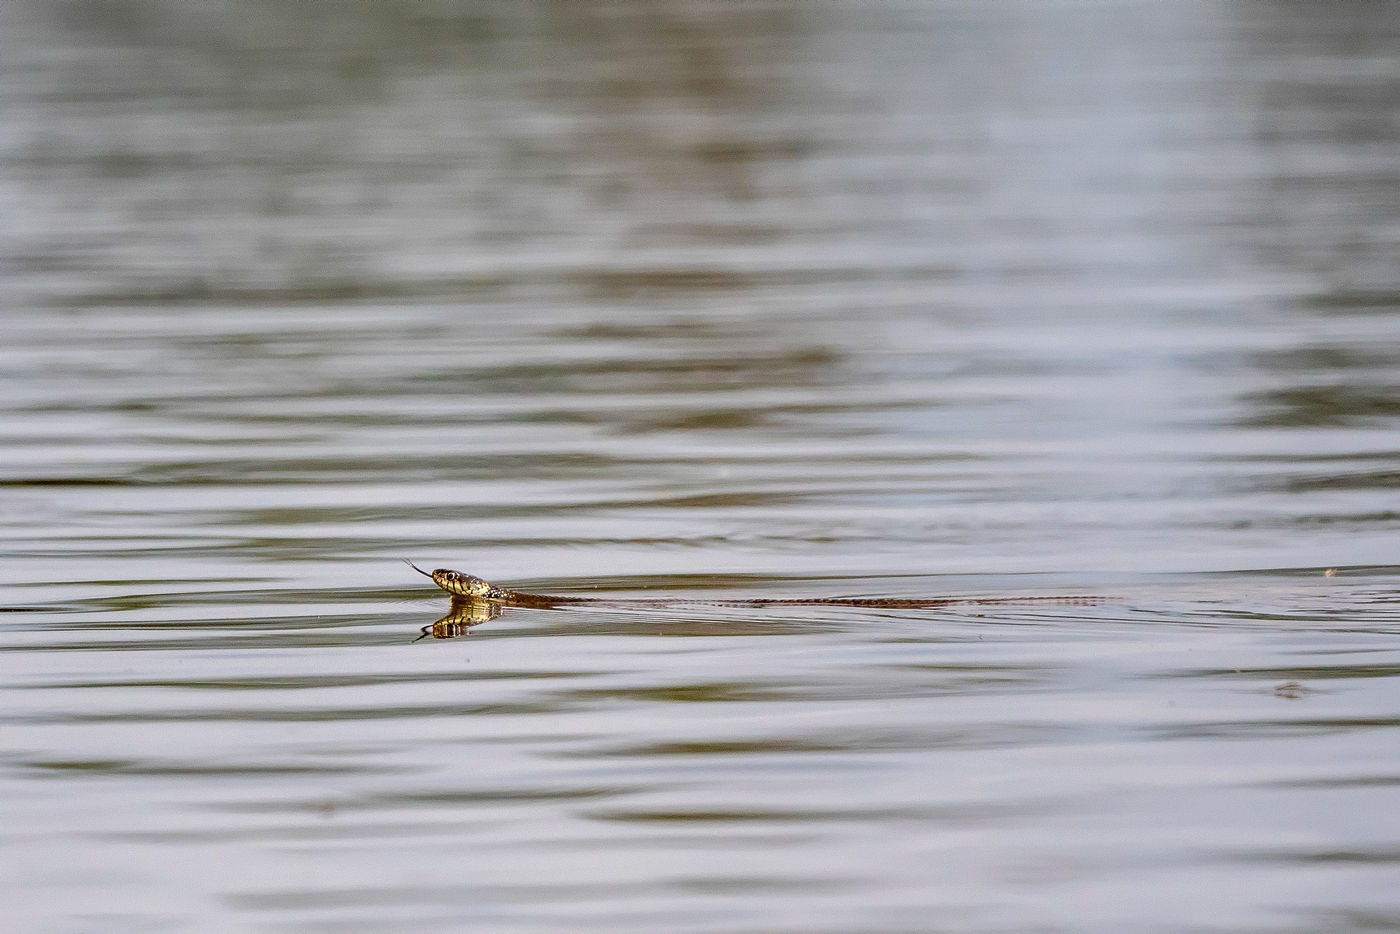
[470,588]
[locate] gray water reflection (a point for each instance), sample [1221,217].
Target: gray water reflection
[698,300]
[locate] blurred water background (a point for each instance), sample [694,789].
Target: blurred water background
[700,299]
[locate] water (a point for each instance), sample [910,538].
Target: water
[700,300]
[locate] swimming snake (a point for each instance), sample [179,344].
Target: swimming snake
[469,587]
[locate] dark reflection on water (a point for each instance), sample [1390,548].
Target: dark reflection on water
[699,300]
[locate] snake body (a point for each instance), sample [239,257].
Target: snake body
[469,587]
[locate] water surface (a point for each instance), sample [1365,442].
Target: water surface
[702,301]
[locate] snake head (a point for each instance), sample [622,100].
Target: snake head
[461,585]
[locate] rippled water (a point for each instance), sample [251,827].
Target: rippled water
[696,301]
